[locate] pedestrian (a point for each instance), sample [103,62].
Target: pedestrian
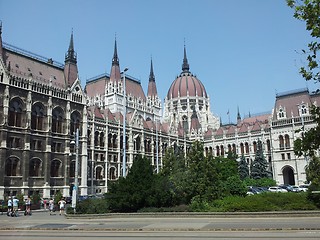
[45,204]
[9,206]
[28,206]
[62,204]
[15,206]
[51,206]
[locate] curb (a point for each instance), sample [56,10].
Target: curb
[197,215]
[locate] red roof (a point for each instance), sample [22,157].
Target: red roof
[186,85]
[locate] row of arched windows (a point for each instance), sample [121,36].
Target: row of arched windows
[38,117]
[244,148]
[13,168]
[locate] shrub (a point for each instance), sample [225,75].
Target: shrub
[91,206]
[256,203]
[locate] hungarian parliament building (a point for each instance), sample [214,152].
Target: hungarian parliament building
[44,110]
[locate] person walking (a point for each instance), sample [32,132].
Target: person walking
[15,205]
[9,206]
[51,206]
[62,204]
[28,206]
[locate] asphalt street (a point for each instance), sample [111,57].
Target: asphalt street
[42,220]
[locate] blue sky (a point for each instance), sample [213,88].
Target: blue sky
[244,52]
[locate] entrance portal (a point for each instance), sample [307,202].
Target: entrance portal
[288,175]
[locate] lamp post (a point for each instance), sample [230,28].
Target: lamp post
[157,146]
[76,180]
[124,123]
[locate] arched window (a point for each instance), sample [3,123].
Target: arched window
[241,148]
[75,122]
[35,168]
[15,113]
[96,139]
[217,150]
[254,146]
[12,167]
[222,150]
[229,148]
[287,141]
[303,110]
[37,116]
[114,141]
[55,168]
[57,120]
[268,145]
[99,173]
[101,139]
[110,143]
[281,113]
[247,147]
[281,142]
[234,149]
[185,123]
[112,173]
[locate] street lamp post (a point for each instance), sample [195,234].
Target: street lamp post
[124,123]
[157,146]
[76,180]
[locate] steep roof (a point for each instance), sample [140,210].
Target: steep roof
[24,64]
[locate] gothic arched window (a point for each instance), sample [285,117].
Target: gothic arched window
[12,167]
[75,122]
[57,120]
[35,168]
[37,116]
[15,112]
[55,168]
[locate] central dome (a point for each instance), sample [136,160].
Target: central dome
[186,85]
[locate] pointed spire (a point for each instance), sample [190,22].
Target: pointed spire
[115,75]
[238,116]
[185,65]
[152,87]
[115,59]
[70,67]
[71,55]
[71,48]
[151,76]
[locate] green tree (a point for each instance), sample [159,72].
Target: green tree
[309,12]
[141,188]
[259,167]
[243,168]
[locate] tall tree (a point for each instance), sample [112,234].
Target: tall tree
[259,167]
[309,12]
[243,168]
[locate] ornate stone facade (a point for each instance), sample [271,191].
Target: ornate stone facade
[42,103]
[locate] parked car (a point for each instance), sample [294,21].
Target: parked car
[304,187]
[277,189]
[296,189]
[286,187]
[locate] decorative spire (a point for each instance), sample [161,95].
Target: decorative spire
[238,116]
[185,65]
[71,55]
[115,75]
[151,76]
[115,59]
[70,67]
[152,87]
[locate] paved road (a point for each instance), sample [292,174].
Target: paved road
[41,225]
[175,235]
